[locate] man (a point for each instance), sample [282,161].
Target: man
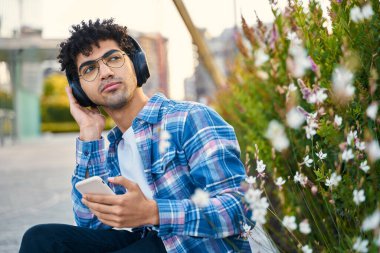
[160,152]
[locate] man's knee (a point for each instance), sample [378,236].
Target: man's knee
[40,238]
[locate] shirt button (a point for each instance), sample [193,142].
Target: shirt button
[86,153]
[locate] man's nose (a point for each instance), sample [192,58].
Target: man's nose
[104,71]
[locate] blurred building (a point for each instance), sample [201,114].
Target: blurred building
[200,87]
[155,48]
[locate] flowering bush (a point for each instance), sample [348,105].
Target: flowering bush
[303,99]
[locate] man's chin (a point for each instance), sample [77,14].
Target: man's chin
[116,104]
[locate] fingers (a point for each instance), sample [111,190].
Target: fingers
[100,208]
[109,219]
[95,109]
[69,93]
[103,199]
[120,180]
[111,223]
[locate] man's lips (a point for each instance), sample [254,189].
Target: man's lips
[110,86]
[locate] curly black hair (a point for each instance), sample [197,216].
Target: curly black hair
[85,35]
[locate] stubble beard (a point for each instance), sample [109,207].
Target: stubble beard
[117,101]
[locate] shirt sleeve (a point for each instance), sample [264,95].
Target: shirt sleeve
[91,158]
[213,154]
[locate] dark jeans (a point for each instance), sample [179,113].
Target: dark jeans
[57,238]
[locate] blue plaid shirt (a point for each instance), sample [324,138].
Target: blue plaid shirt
[203,153]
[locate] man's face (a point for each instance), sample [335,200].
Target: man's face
[113,87]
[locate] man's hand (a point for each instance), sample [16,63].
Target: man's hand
[91,122]
[131,209]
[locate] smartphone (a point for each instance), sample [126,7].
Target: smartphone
[94,185]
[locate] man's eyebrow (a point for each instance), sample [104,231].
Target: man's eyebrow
[86,63]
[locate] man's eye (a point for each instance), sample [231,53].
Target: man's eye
[88,69]
[114,58]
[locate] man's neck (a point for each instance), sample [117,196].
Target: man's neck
[124,116]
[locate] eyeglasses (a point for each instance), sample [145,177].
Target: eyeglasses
[90,69]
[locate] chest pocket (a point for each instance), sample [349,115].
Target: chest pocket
[164,162]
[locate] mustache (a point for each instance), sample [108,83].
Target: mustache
[106,82]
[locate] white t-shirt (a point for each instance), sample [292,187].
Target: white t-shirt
[130,162]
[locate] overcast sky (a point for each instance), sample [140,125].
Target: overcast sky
[55,18]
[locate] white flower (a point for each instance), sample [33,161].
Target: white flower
[252,195]
[262,75]
[163,146]
[262,203]
[311,119]
[372,221]
[297,177]
[301,178]
[301,61]
[356,14]
[200,198]
[333,180]
[342,82]
[164,141]
[359,196]
[367,11]
[373,150]
[276,134]
[258,215]
[260,166]
[361,245]
[290,222]
[321,155]
[312,124]
[320,96]
[372,110]
[360,145]
[258,205]
[351,137]
[165,135]
[292,87]
[312,99]
[260,57]
[337,120]
[307,161]
[292,37]
[250,180]
[280,181]
[347,155]
[328,25]
[364,166]
[305,227]
[247,228]
[294,118]
[310,131]
[306,249]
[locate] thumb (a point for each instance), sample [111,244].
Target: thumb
[120,180]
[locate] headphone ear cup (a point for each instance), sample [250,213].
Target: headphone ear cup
[139,63]
[80,96]
[141,68]
[79,93]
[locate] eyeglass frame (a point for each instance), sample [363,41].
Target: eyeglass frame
[96,61]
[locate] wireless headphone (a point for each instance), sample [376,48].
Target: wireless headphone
[139,63]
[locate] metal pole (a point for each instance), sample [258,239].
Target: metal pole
[203,50]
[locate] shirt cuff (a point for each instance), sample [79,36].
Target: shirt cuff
[171,216]
[90,153]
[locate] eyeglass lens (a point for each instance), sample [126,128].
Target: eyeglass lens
[91,71]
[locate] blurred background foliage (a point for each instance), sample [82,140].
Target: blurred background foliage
[55,110]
